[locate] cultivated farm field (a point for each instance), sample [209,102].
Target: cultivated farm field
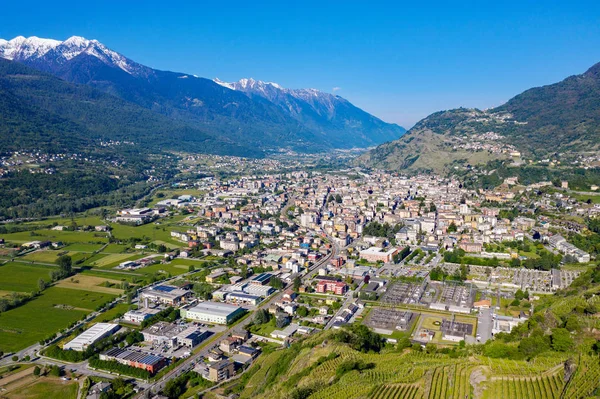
[55,235]
[91,283]
[52,311]
[21,277]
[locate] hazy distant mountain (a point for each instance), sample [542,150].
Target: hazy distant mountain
[313,121]
[328,114]
[560,118]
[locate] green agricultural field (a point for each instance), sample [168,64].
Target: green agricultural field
[83,247]
[111,314]
[57,221]
[148,231]
[21,277]
[43,256]
[92,260]
[54,235]
[80,220]
[54,310]
[50,256]
[115,249]
[77,299]
[112,275]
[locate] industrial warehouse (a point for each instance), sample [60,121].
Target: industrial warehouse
[140,360]
[213,312]
[90,336]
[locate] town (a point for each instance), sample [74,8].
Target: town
[206,275]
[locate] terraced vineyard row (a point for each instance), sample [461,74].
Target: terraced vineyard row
[439,383]
[586,378]
[401,375]
[546,387]
[352,386]
[521,367]
[460,386]
[397,391]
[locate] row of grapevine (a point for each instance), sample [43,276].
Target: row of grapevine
[439,383]
[350,386]
[586,378]
[545,387]
[397,391]
[461,386]
[522,367]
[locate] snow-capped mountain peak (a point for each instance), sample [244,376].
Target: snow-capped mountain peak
[292,100]
[245,84]
[34,48]
[77,41]
[21,48]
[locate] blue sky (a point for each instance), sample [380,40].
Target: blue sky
[398,60]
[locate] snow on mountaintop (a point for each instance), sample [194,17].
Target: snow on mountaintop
[21,48]
[251,85]
[248,83]
[32,48]
[77,41]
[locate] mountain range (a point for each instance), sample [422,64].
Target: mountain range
[542,122]
[42,112]
[248,114]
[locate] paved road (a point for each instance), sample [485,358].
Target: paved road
[484,325]
[349,299]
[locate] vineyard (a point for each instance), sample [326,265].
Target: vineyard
[545,387]
[450,382]
[314,370]
[397,391]
[521,367]
[585,380]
